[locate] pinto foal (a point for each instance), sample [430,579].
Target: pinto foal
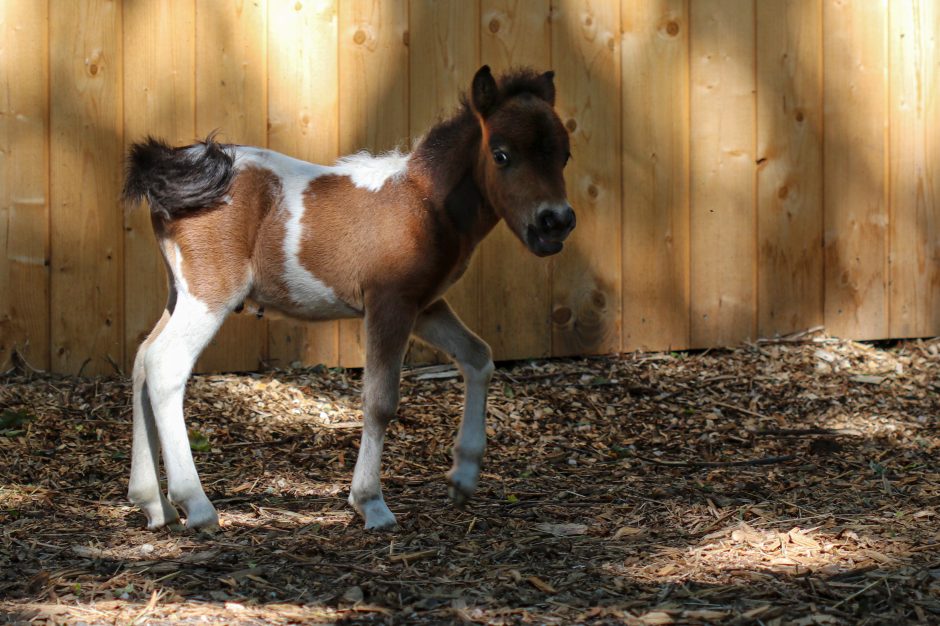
[375,237]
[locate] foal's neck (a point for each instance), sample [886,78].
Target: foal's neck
[448,160]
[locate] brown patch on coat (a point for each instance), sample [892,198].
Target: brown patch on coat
[217,243]
[389,241]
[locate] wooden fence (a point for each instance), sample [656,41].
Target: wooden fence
[741,167]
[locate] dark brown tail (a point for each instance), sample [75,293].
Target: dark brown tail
[177,180]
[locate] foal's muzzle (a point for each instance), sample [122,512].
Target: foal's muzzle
[552,226]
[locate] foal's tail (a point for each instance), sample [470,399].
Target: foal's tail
[177,180]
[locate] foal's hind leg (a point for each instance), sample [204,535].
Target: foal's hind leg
[144,487]
[168,363]
[439,326]
[388,326]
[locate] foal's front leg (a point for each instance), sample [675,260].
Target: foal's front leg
[388,326]
[439,326]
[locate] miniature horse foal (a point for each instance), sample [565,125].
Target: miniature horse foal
[375,237]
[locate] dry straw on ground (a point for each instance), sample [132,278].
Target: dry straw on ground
[787,482]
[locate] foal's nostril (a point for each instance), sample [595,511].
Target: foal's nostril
[555,222]
[547,221]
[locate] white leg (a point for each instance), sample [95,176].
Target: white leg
[144,487]
[168,363]
[439,326]
[387,331]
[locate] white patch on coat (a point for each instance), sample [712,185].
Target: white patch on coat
[313,298]
[372,172]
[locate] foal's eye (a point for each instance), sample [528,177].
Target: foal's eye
[501,158]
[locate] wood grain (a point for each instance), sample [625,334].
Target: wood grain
[85,158]
[914,157]
[24,183]
[515,313]
[303,110]
[159,100]
[231,95]
[723,221]
[373,102]
[586,275]
[789,175]
[655,161]
[855,186]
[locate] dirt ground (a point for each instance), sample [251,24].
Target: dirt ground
[787,482]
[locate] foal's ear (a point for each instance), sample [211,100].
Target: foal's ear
[547,87]
[484,94]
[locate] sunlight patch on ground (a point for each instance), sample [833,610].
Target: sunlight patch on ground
[273,517]
[168,608]
[13,497]
[760,554]
[274,402]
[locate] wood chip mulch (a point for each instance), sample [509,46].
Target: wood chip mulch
[794,481]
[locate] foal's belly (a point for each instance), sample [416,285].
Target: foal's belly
[299,296]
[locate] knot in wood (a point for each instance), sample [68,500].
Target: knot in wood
[561,315]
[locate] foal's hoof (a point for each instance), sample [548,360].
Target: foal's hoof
[203,517]
[463,483]
[458,497]
[161,515]
[381,526]
[377,515]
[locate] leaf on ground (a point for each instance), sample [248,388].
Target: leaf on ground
[541,585]
[627,532]
[198,442]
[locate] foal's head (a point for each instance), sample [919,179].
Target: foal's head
[523,155]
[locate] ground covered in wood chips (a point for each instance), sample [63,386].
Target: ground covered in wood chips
[786,482]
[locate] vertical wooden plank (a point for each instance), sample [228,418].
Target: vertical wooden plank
[231,96]
[160,100]
[655,117]
[24,182]
[854,121]
[723,220]
[789,177]
[914,157]
[444,44]
[303,111]
[373,101]
[515,303]
[86,162]
[586,276]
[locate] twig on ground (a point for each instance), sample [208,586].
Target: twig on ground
[769,460]
[801,432]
